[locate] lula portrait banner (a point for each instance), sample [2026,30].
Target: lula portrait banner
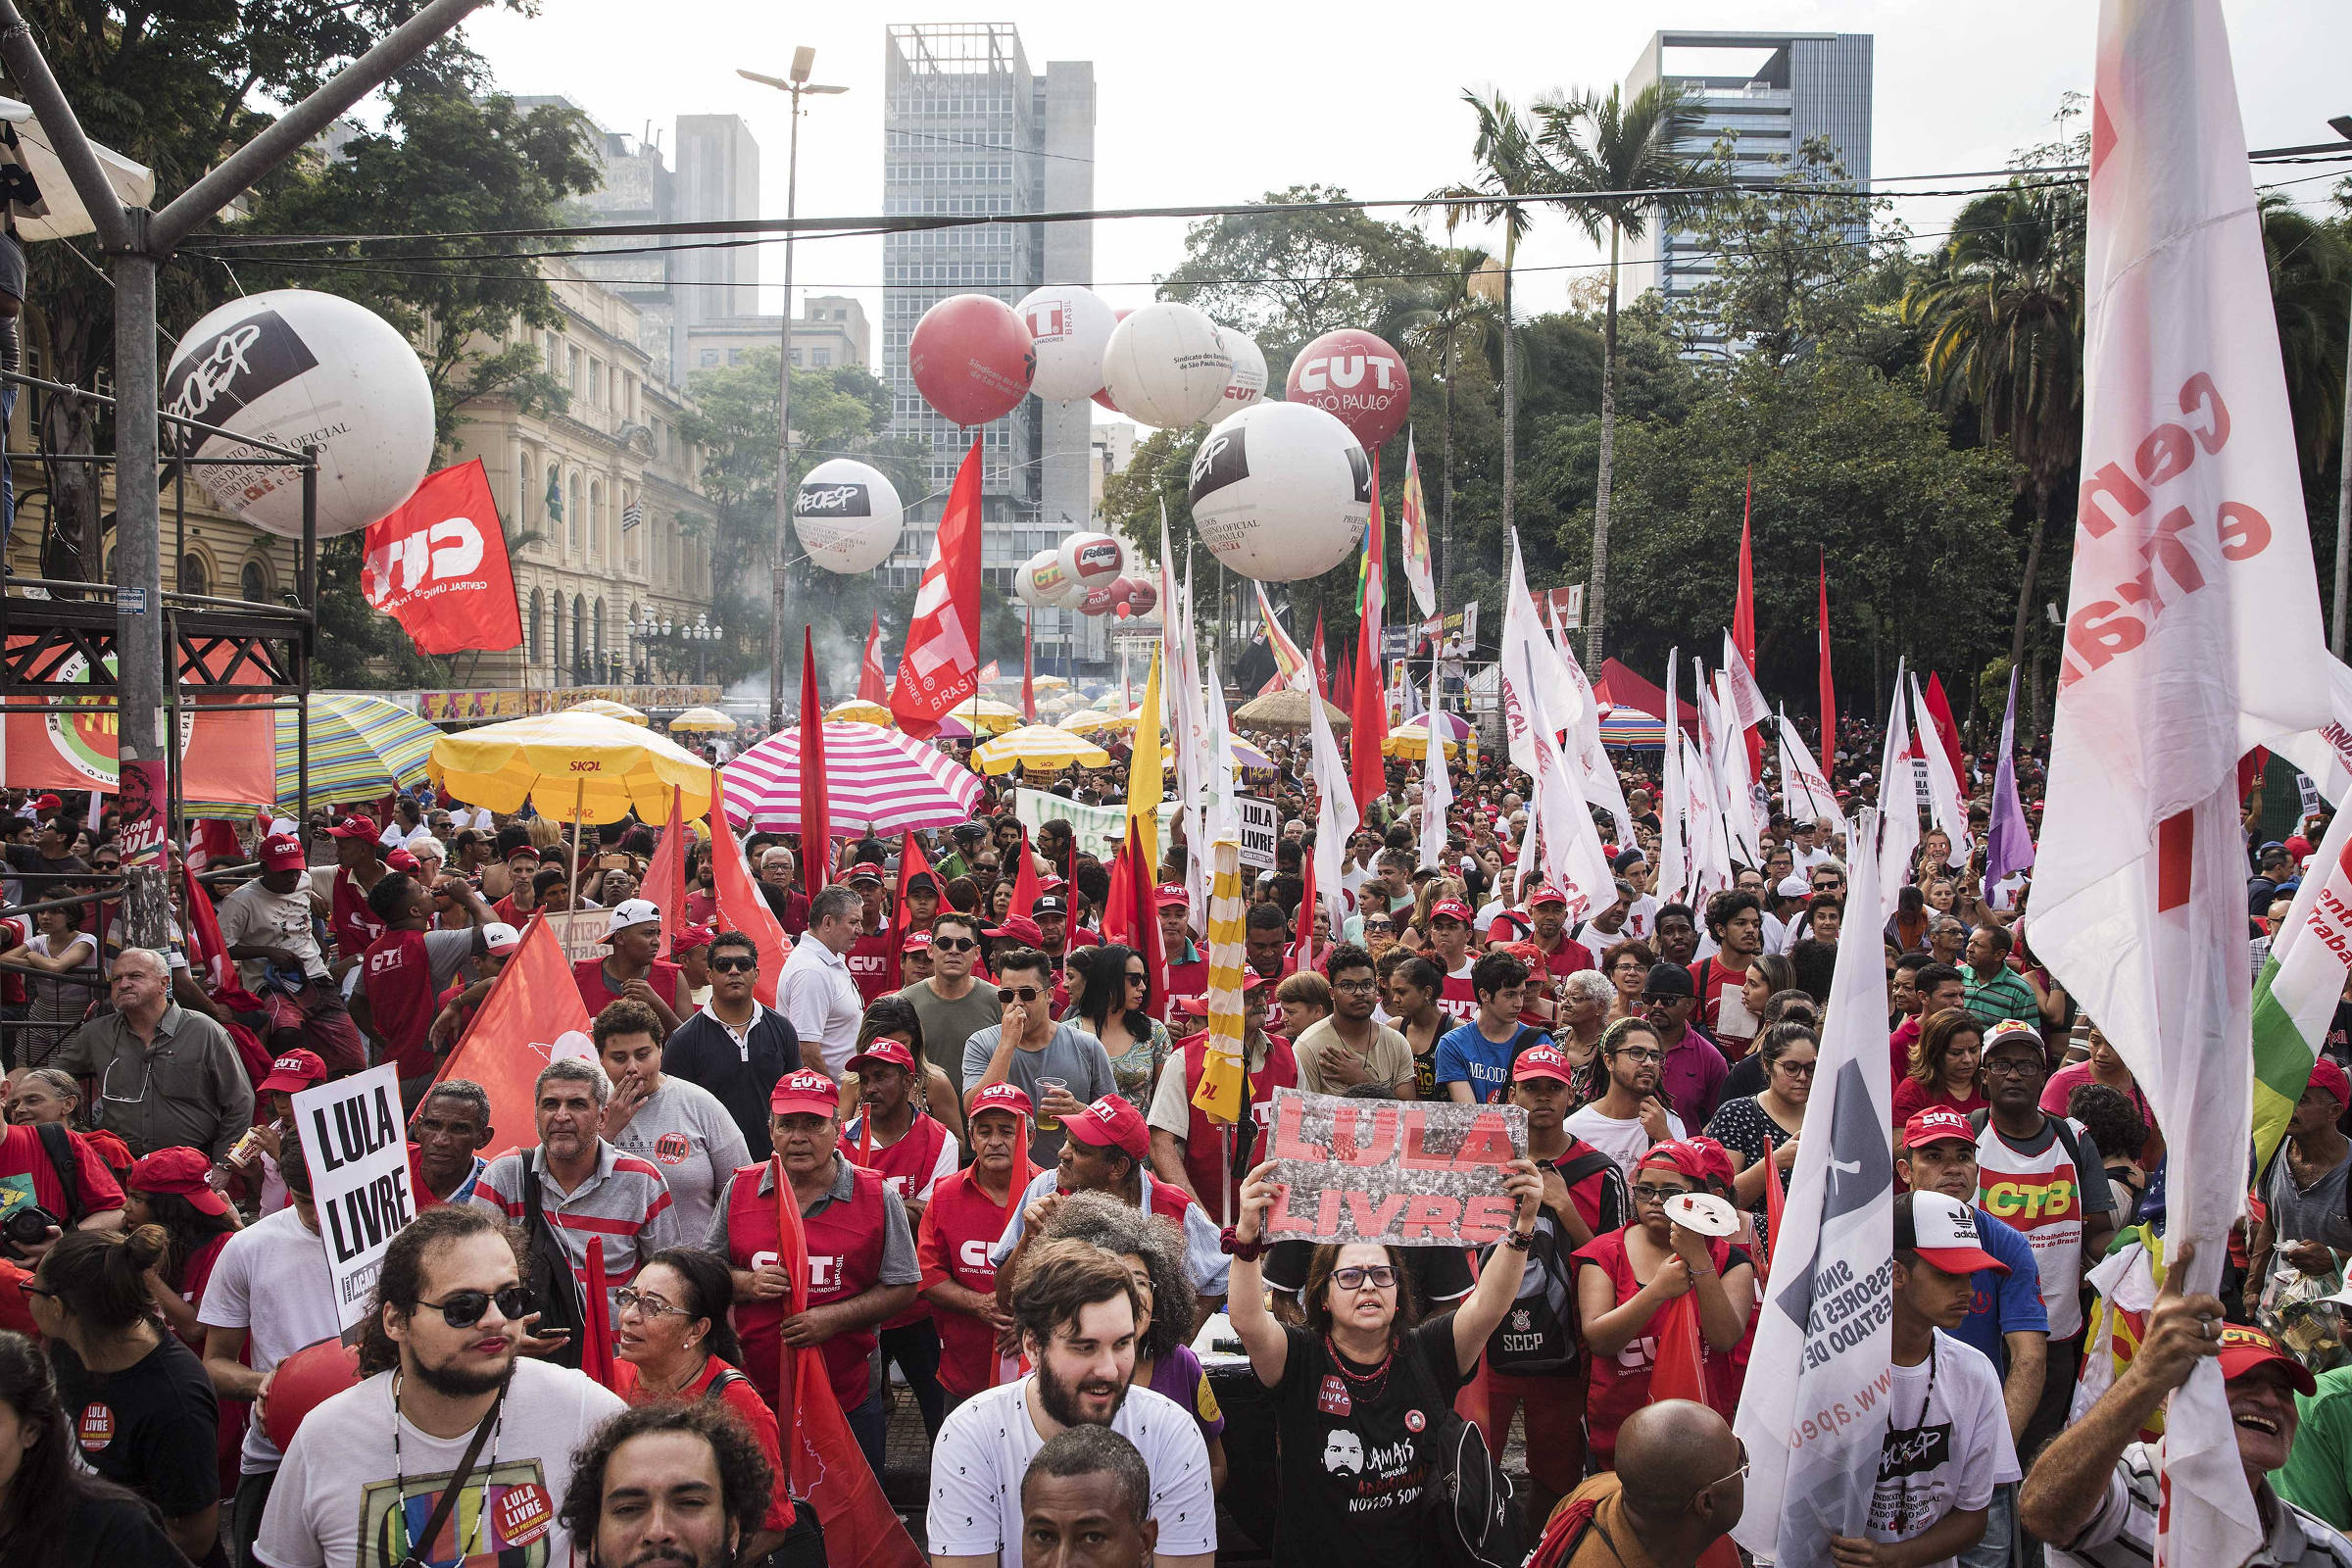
[1395,1172]
[353,1141]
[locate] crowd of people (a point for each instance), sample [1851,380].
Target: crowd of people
[981,1102]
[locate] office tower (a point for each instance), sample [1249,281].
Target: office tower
[718,181]
[968,128]
[1779,90]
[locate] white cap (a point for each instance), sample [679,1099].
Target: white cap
[1794,887]
[629,912]
[499,938]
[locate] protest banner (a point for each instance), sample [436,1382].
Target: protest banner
[1097,831]
[1394,1172]
[354,1143]
[1262,825]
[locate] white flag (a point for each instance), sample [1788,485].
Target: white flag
[2192,635]
[1336,815]
[1747,705]
[1710,851]
[1898,807]
[1436,788]
[1815,1409]
[1602,787]
[1742,820]
[1804,794]
[2326,753]
[1533,683]
[1673,856]
[1947,802]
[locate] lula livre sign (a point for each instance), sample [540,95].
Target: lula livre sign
[358,1155]
[1399,1172]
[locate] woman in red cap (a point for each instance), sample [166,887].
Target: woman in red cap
[1626,1278]
[171,1188]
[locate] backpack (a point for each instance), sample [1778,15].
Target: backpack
[548,1272]
[58,1144]
[1540,1334]
[1470,1518]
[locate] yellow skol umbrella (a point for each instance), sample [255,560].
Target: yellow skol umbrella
[709,719]
[572,766]
[609,709]
[858,711]
[1092,723]
[1412,739]
[986,717]
[1038,746]
[1050,683]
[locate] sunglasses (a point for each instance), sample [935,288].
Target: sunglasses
[463,1309]
[1021,994]
[953,944]
[1661,999]
[741,963]
[1136,979]
[1380,1276]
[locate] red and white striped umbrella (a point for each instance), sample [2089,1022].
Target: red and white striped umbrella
[876,779]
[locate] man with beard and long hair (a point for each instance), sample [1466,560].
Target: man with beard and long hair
[1076,1309]
[668,1482]
[440,1353]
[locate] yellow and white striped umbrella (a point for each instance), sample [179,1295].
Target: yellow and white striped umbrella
[1412,739]
[859,711]
[986,717]
[609,709]
[1038,746]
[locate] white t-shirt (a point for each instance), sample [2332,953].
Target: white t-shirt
[1624,1142]
[986,1444]
[342,1455]
[1946,1445]
[271,1280]
[687,1135]
[254,915]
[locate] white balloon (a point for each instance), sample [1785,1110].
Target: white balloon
[1281,491]
[1072,325]
[1040,583]
[1246,386]
[848,515]
[295,368]
[1166,365]
[1091,560]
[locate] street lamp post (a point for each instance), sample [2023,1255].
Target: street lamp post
[803,59]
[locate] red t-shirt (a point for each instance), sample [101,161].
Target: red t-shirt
[596,992]
[952,1245]
[27,1176]
[354,924]
[739,1396]
[1621,1382]
[868,960]
[906,1169]
[1456,1000]
[1713,978]
[1898,1046]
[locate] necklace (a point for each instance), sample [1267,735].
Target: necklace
[1374,1382]
[399,1479]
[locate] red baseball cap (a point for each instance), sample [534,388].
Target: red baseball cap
[2325,1074]
[47,802]
[1449,909]
[1943,1231]
[806,1092]
[1936,1126]
[2244,1349]
[916,942]
[864,872]
[281,852]
[1112,1123]
[294,1072]
[1541,1062]
[1170,893]
[690,938]
[1020,928]
[401,860]
[355,827]
[889,1052]
[1546,892]
[1000,1097]
[181,1171]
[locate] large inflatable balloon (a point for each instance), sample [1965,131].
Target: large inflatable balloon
[1091,560]
[1281,491]
[303,1382]
[298,368]
[848,515]
[1100,599]
[1247,384]
[1359,378]
[1103,397]
[1071,326]
[1166,365]
[1041,583]
[1142,596]
[971,357]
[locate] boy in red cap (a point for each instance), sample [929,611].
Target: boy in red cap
[1450,946]
[359,866]
[968,1210]
[868,957]
[173,1188]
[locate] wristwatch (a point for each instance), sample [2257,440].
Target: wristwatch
[1233,1246]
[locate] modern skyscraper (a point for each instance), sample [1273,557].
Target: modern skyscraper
[1806,84]
[718,181]
[968,128]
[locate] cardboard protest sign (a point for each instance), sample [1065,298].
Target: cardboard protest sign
[1262,825]
[355,1142]
[1398,1172]
[581,932]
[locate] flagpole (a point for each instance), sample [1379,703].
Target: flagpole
[579,795]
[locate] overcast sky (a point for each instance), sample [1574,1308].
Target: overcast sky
[1224,103]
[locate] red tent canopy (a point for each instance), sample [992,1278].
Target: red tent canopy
[1619,686]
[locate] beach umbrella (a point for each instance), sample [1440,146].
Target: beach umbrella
[1412,739]
[1249,760]
[1621,725]
[876,779]
[361,748]
[609,709]
[572,766]
[709,719]
[858,711]
[1038,746]
[988,717]
[1286,710]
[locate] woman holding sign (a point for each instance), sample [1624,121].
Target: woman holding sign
[1363,1393]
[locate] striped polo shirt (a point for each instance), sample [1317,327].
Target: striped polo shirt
[624,1201]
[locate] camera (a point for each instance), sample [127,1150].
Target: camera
[28,1226]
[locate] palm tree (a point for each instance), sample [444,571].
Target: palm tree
[1511,166]
[1455,318]
[1620,167]
[2002,308]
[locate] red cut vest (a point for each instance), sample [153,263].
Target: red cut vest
[844,1259]
[400,994]
[354,924]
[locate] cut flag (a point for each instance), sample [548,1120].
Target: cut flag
[438,566]
[940,668]
[665,874]
[532,1014]
[912,862]
[873,680]
[2192,637]
[740,907]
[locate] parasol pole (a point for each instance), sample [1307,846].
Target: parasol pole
[579,795]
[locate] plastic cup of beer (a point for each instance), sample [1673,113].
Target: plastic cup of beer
[1047,1087]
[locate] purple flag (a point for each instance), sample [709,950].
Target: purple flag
[2009,845]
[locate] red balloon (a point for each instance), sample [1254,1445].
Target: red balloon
[1100,599]
[1143,597]
[1358,379]
[303,1382]
[971,357]
[1103,396]
[1123,611]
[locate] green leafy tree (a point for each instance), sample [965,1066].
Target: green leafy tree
[1621,168]
[1457,323]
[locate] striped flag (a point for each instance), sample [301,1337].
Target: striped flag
[1219,1092]
[2294,1000]
[1289,657]
[1412,527]
[631,516]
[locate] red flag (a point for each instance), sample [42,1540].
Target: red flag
[1131,914]
[940,668]
[817,823]
[207,950]
[216,839]
[1024,882]
[737,894]
[1304,948]
[874,681]
[1939,712]
[1322,666]
[1775,1200]
[1029,668]
[1829,688]
[534,1007]
[1681,1370]
[666,877]
[862,1531]
[911,863]
[1368,701]
[1744,608]
[596,1335]
[438,566]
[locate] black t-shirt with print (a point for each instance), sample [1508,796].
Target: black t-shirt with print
[1358,1451]
[150,1427]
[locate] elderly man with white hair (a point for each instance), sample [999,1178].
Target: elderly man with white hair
[166,1077]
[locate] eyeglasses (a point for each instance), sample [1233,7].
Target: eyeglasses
[2006,1066]
[1796,1070]
[1024,993]
[1638,1053]
[1739,1474]
[1380,1276]
[741,963]
[953,944]
[463,1309]
[1645,1192]
[1362,987]
[628,1299]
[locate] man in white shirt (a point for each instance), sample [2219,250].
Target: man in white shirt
[267,926]
[817,994]
[1076,1309]
[441,1350]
